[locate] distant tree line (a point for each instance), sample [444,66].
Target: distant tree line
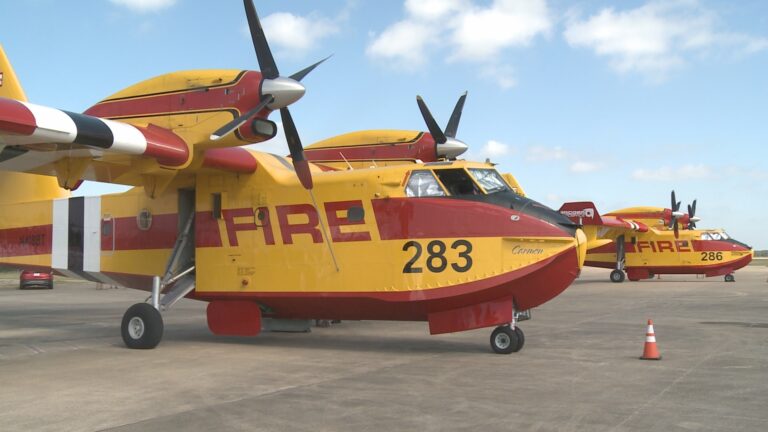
[761,253]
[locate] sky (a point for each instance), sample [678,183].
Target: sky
[615,102]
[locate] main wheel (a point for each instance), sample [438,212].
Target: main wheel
[520,339]
[730,278]
[617,276]
[142,326]
[504,340]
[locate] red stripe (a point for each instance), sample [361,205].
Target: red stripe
[160,235]
[207,232]
[234,159]
[15,118]
[606,248]
[716,246]
[423,149]
[34,240]
[242,96]
[412,218]
[165,146]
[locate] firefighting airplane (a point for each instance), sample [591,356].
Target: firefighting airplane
[644,241]
[261,237]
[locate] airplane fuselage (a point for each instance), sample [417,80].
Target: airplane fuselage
[660,252]
[365,251]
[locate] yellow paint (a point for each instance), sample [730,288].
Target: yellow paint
[368,137]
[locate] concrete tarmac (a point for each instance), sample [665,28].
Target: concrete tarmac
[63,366]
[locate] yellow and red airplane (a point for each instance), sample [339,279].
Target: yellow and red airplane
[259,236]
[645,241]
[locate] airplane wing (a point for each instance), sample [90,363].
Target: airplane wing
[166,134]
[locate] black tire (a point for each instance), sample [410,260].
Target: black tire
[617,276]
[142,326]
[730,278]
[651,275]
[504,340]
[520,339]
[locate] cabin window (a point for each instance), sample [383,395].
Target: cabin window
[423,184]
[489,179]
[355,214]
[458,182]
[144,219]
[216,205]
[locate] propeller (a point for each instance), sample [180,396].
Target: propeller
[692,219]
[675,207]
[276,92]
[446,144]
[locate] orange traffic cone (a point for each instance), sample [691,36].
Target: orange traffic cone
[651,351]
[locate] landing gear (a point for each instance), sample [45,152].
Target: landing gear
[617,276]
[142,326]
[506,340]
[730,278]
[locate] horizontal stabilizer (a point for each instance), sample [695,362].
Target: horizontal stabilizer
[583,213]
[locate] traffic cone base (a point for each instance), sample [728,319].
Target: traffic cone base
[650,350]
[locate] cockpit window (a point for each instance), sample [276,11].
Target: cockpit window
[715,235]
[423,184]
[489,179]
[458,182]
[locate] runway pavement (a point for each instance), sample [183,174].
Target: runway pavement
[63,366]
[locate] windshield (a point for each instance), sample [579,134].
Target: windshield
[489,179]
[423,184]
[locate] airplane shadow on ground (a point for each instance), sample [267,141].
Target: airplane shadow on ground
[326,341]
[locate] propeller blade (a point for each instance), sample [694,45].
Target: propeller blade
[672,207]
[300,163]
[237,122]
[434,129]
[453,122]
[693,212]
[263,54]
[677,231]
[298,76]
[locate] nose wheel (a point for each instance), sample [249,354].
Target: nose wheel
[730,278]
[617,276]
[506,340]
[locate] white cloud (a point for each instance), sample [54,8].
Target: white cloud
[145,5]
[404,42]
[495,149]
[657,37]
[296,33]
[581,167]
[482,33]
[666,173]
[503,75]
[434,9]
[461,30]
[544,154]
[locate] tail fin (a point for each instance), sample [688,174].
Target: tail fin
[583,213]
[9,84]
[16,186]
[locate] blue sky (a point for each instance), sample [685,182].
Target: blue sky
[617,102]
